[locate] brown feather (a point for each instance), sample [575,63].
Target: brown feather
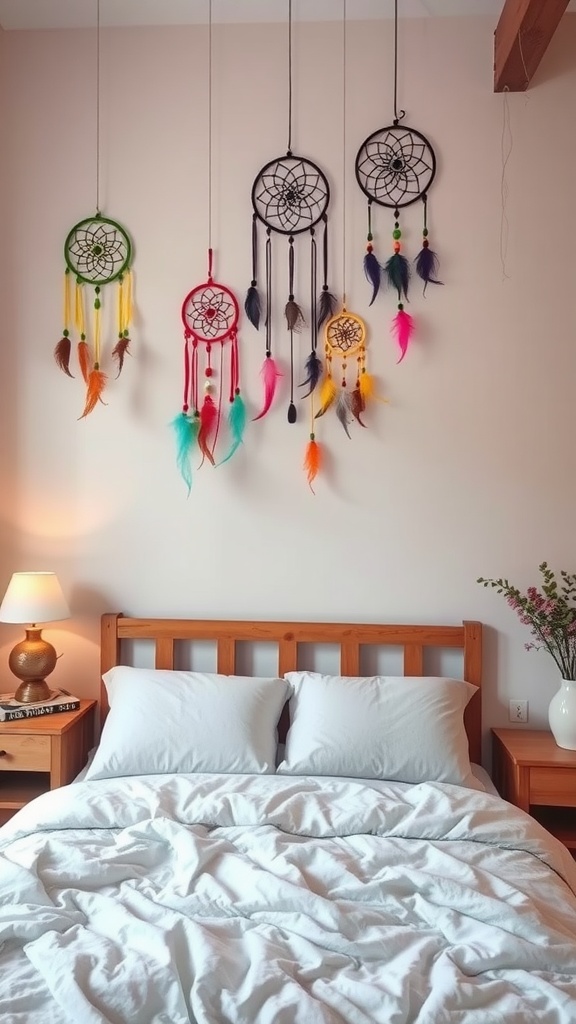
[62,355]
[294,316]
[96,384]
[84,359]
[120,350]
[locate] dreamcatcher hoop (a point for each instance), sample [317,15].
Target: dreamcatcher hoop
[395,166]
[210,313]
[345,334]
[97,250]
[290,195]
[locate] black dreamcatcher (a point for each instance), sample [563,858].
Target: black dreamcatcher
[290,197]
[395,167]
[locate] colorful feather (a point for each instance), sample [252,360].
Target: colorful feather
[121,349]
[270,374]
[367,386]
[237,425]
[84,358]
[186,431]
[326,306]
[357,405]
[373,272]
[397,270]
[427,264]
[62,355]
[313,370]
[343,410]
[328,392]
[403,327]
[252,306]
[208,419]
[312,461]
[294,316]
[96,383]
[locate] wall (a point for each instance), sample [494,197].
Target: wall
[469,468]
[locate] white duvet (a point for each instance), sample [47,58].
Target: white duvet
[260,899]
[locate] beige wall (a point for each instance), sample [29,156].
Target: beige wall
[470,468]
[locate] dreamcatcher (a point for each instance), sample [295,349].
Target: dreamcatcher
[395,167]
[344,339]
[97,253]
[210,315]
[290,196]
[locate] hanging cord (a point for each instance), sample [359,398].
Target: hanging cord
[398,115]
[344,20]
[210,125]
[289,152]
[97,108]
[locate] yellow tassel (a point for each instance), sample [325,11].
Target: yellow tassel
[97,329]
[328,392]
[126,299]
[79,309]
[67,298]
[96,385]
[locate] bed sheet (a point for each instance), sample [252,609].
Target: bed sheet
[243,899]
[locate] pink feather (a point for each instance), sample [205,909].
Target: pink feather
[270,374]
[208,420]
[403,328]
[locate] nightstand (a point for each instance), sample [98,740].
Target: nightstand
[38,754]
[531,771]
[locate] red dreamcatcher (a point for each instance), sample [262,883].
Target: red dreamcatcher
[210,315]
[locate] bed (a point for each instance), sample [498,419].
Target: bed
[306,843]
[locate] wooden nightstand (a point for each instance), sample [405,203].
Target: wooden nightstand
[531,771]
[38,754]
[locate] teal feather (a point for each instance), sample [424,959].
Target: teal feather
[186,432]
[237,425]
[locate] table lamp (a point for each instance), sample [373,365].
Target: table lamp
[33,597]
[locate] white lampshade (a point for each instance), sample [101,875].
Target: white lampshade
[34,597]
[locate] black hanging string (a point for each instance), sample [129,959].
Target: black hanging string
[398,115]
[268,294]
[97,108]
[289,151]
[291,326]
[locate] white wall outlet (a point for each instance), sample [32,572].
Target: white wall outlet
[518,711]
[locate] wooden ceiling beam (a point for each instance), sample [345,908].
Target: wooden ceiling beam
[522,35]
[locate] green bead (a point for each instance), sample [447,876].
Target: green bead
[125,333]
[396,233]
[425,232]
[97,304]
[65,333]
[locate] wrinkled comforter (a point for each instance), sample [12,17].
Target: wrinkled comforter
[259,899]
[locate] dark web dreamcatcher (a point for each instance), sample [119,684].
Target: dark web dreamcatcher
[290,197]
[395,167]
[97,253]
[210,315]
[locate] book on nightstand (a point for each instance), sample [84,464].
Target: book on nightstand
[12,710]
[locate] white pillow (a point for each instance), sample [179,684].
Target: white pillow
[167,721]
[406,728]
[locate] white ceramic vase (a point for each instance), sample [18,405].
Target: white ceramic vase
[562,714]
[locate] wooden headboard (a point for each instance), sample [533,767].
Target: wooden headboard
[350,638]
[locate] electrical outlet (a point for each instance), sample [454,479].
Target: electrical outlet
[518,711]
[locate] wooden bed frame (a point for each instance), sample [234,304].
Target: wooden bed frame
[287,636]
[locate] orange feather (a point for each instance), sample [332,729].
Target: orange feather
[312,461]
[96,384]
[84,359]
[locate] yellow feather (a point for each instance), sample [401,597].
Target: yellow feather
[328,392]
[367,386]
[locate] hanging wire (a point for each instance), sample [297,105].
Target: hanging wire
[344,23]
[398,114]
[97,107]
[210,124]
[289,152]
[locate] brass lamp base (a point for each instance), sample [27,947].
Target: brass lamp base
[31,661]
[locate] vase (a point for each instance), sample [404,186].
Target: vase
[562,714]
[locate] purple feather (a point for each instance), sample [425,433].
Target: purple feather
[373,272]
[313,371]
[397,271]
[426,264]
[252,306]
